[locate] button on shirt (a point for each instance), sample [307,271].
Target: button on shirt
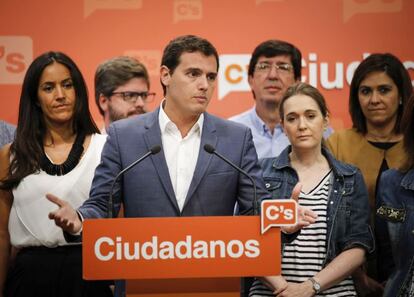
[180,153]
[267,144]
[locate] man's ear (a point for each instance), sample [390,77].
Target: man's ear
[249,80]
[165,75]
[103,102]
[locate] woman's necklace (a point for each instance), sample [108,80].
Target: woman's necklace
[70,163]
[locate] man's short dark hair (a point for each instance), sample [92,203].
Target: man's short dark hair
[273,48]
[116,72]
[186,44]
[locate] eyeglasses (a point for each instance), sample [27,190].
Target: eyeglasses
[132,97]
[282,68]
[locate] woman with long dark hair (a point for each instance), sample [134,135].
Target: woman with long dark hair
[56,150]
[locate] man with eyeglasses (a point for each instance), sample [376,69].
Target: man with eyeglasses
[275,65]
[121,89]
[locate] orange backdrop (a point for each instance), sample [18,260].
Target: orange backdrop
[333,36]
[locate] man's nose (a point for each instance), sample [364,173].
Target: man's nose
[140,102]
[273,73]
[203,83]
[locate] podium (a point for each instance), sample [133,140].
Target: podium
[180,256]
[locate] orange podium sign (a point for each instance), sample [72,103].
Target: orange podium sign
[184,247]
[183,256]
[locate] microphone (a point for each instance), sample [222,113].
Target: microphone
[211,150]
[154,150]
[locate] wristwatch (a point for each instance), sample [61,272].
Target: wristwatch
[315,285]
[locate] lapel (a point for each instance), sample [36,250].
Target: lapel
[208,136]
[152,137]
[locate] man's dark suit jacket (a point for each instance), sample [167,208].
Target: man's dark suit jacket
[146,189]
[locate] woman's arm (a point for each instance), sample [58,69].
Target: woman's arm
[5,206]
[340,268]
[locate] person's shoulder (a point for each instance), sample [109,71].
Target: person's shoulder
[6,132]
[5,154]
[241,117]
[276,164]
[346,168]
[344,134]
[224,123]
[340,166]
[392,176]
[342,141]
[267,163]
[6,126]
[392,181]
[99,138]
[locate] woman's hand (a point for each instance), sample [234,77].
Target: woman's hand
[306,216]
[304,289]
[276,283]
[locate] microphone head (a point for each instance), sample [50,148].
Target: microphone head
[155,149]
[209,148]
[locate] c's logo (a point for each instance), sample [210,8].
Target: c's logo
[16,53]
[276,213]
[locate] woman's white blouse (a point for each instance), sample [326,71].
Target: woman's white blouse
[29,224]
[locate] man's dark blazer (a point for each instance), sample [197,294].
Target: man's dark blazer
[146,189]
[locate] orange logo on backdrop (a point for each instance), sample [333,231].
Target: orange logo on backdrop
[187,10]
[353,7]
[275,213]
[185,247]
[150,58]
[91,5]
[16,53]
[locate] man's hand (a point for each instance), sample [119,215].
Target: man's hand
[65,216]
[306,216]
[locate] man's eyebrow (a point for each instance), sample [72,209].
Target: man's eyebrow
[193,69]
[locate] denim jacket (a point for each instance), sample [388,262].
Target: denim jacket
[395,197]
[348,206]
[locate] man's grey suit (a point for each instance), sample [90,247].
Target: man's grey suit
[146,189]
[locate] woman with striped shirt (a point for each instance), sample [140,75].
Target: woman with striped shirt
[320,261]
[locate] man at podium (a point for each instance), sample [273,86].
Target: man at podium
[184,177]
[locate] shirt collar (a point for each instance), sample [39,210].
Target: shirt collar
[165,122]
[260,125]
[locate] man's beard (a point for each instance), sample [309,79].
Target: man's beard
[115,116]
